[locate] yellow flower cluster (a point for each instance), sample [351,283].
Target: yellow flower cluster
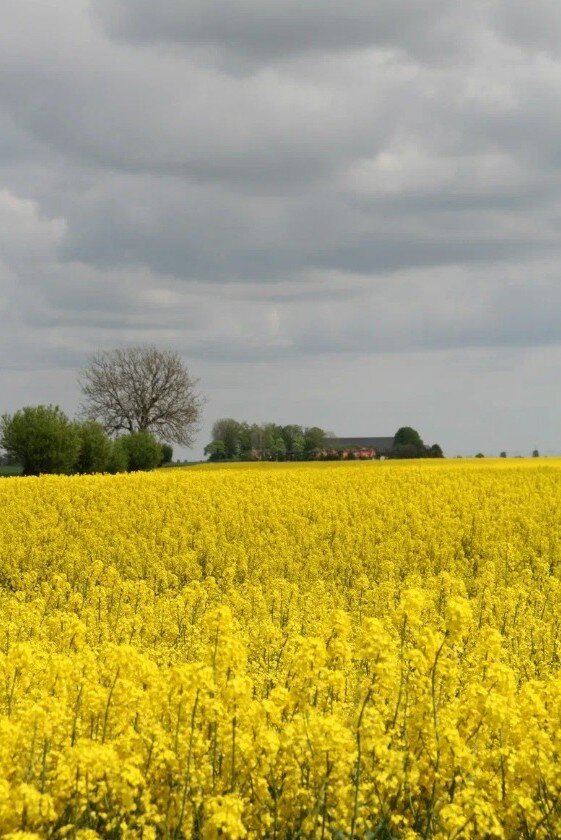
[330,651]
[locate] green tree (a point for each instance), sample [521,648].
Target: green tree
[143,451]
[118,458]
[293,436]
[274,447]
[406,450]
[278,447]
[257,437]
[535,454]
[40,438]
[314,441]
[435,451]
[215,451]
[244,440]
[269,441]
[167,453]
[228,431]
[407,436]
[95,448]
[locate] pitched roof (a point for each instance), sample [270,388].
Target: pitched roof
[380,444]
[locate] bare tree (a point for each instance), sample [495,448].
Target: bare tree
[142,389]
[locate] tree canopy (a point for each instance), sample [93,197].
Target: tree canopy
[407,443]
[142,389]
[407,436]
[235,440]
[95,448]
[41,438]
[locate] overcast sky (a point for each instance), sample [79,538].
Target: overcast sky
[340,212]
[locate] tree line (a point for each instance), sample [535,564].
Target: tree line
[137,401]
[42,439]
[234,440]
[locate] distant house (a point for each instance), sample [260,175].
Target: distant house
[360,447]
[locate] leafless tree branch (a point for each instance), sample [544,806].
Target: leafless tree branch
[142,388]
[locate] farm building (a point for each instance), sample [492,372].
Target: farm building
[361,447]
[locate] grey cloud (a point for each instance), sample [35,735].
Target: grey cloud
[261,31]
[283,187]
[444,309]
[219,237]
[119,109]
[266,132]
[535,26]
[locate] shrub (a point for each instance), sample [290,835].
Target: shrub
[41,438]
[95,448]
[435,451]
[407,443]
[167,453]
[405,450]
[143,451]
[216,450]
[118,461]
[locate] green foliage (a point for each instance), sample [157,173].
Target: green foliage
[167,453]
[235,441]
[314,440]
[407,443]
[273,443]
[216,450]
[143,451]
[407,450]
[535,454]
[435,451]
[95,448]
[407,436]
[295,442]
[41,438]
[118,457]
[503,454]
[228,432]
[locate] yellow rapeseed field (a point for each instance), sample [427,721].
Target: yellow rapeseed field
[328,651]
